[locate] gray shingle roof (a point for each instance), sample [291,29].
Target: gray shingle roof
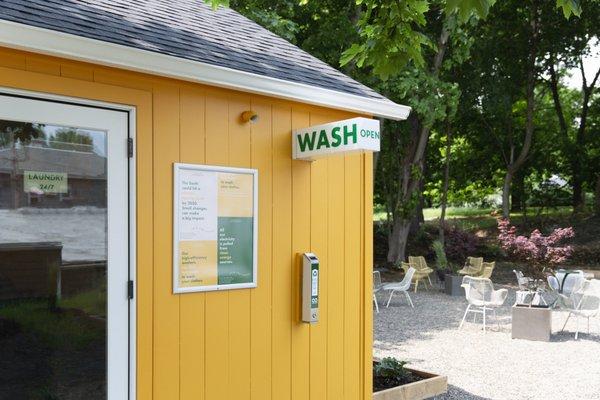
[187,29]
[77,164]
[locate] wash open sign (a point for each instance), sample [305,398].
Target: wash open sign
[40,182]
[350,135]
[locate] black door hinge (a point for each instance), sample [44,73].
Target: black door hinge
[129,147]
[130,290]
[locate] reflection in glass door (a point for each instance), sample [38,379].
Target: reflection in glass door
[58,266]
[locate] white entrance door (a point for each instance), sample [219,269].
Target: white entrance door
[64,250]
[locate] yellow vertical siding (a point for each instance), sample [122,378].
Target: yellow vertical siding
[301,211]
[336,272]
[216,358]
[318,244]
[251,343]
[261,137]
[352,277]
[282,254]
[192,136]
[166,305]
[239,300]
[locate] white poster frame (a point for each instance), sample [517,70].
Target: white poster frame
[177,168]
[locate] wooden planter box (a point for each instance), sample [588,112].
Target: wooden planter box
[531,323]
[452,285]
[432,385]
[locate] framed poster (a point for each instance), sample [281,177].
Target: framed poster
[215,228]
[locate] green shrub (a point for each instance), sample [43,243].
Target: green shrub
[390,372]
[59,328]
[389,367]
[441,261]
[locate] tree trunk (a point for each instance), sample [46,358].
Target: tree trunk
[418,217]
[508,177]
[578,159]
[415,222]
[578,199]
[413,160]
[576,149]
[597,197]
[513,167]
[14,177]
[518,192]
[398,241]
[446,184]
[375,160]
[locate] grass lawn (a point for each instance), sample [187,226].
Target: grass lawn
[53,353]
[474,212]
[78,320]
[92,302]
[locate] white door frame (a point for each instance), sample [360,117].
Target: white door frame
[96,108]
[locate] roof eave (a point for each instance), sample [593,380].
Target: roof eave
[59,44]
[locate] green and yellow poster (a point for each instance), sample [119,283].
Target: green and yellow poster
[215,228]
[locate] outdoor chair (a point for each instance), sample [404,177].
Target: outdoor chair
[376,288]
[586,304]
[402,286]
[522,280]
[482,298]
[566,288]
[562,301]
[472,267]
[570,281]
[487,268]
[525,291]
[422,271]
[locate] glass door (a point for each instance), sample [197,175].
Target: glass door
[64,267]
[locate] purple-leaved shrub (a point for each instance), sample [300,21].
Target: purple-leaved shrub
[537,251]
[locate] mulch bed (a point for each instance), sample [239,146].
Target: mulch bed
[383,383]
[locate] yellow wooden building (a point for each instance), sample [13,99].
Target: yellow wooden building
[169,81]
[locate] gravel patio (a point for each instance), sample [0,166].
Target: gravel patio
[490,365]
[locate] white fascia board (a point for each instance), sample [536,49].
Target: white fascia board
[59,44]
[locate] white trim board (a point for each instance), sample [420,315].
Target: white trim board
[59,44]
[121,234]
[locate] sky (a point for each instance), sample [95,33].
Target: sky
[590,65]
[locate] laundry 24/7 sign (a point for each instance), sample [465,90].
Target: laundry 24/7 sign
[350,135]
[45,182]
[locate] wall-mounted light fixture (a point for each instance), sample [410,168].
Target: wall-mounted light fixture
[249,116]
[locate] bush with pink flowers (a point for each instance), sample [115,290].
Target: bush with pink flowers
[537,251]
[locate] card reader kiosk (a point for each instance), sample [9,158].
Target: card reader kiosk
[310,288]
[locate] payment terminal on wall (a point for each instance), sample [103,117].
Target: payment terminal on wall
[310,288]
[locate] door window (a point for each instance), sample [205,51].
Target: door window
[56,259]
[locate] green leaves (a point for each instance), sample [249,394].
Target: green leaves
[394,33]
[390,35]
[465,9]
[569,7]
[216,3]
[389,367]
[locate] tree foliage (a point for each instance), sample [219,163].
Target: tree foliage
[472,67]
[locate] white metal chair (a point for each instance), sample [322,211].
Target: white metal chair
[585,304]
[376,288]
[402,286]
[570,282]
[524,292]
[482,298]
[567,289]
[522,280]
